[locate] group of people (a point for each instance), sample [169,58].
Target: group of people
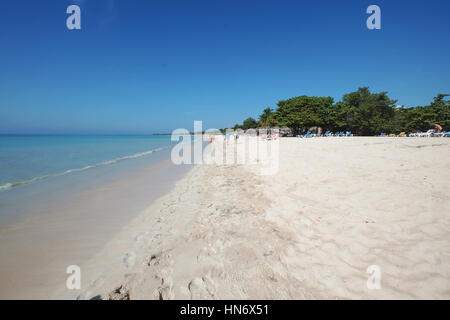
[227,136]
[235,136]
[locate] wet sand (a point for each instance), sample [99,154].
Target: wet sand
[66,221]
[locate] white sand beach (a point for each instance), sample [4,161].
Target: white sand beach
[224,150]
[335,207]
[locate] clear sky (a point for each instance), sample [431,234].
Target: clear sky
[149,66]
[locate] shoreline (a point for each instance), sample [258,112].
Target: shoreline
[67,220]
[335,207]
[311,231]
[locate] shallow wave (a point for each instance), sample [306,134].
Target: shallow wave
[10,185]
[6,186]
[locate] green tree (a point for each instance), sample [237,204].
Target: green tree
[237,126]
[440,110]
[266,119]
[249,123]
[339,117]
[362,112]
[302,112]
[370,113]
[422,118]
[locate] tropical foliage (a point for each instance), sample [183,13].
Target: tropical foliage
[361,112]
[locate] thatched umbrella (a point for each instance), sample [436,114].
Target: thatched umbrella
[286,131]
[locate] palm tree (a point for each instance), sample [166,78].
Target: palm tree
[266,118]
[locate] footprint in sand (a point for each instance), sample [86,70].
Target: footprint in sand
[206,252]
[141,236]
[157,258]
[165,290]
[202,288]
[129,259]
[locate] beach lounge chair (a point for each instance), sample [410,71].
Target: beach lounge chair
[435,134]
[426,134]
[307,135]
[348,134]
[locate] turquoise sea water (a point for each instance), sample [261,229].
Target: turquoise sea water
[65,197]
[26,159]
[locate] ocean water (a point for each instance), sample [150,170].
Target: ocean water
[65,197]
[28,159]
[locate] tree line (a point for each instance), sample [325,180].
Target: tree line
[361,112]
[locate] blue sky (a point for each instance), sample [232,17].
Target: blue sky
[148,66]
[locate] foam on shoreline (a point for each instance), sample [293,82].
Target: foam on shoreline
[67,220]
[10,185]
